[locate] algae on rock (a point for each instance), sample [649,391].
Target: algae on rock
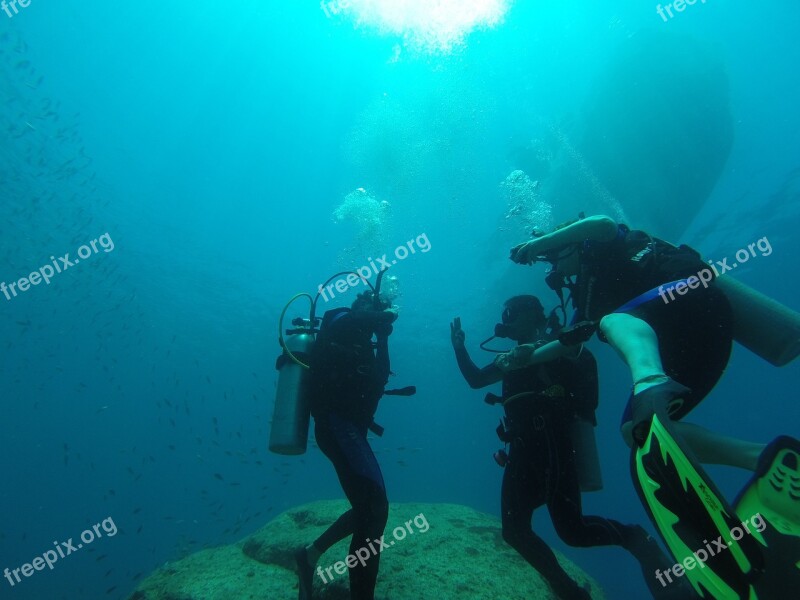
[457,556]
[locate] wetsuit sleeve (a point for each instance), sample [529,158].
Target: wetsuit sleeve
[476,378]
[382,367]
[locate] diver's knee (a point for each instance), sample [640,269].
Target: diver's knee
[513,539]
[371,510]
[512,533]
[380,511]
[610,322]
[571,535]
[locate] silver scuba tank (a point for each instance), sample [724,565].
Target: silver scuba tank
[764,326]
[290,419]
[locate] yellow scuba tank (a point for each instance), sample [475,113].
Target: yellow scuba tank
[762,325]
[292,412]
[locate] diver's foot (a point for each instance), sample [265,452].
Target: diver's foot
[664,398]
[583,592]
[653,561]
[305,574]
[577,592]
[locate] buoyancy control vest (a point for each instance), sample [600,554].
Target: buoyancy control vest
[346,376]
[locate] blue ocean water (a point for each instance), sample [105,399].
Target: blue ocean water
[221,149]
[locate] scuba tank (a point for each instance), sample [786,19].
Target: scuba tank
[587,460]
[762,325]
[292,412]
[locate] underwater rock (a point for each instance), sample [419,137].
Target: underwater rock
[433,551]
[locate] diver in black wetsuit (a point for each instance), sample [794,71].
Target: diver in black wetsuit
[348,375]
[677,351]
[540,403]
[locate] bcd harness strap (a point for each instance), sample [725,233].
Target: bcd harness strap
[554,391]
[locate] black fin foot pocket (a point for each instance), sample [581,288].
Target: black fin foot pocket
[664,399]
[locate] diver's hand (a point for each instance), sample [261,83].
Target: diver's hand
[457,335]
[525,253]
[516,358]
[383,328]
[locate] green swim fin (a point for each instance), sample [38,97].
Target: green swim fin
[771,500]
[694,519]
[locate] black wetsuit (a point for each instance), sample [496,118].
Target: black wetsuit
[348,375]
[695,330]
[541,466]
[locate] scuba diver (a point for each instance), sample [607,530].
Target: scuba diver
[677,352]
[541,403]
[348,373]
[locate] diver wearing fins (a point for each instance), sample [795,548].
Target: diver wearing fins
[348,373]
[677,353]
[541,402]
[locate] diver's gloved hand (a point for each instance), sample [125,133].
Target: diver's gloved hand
[516,358]
[577,334]
[457,335]
[525,253]
[383,328]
